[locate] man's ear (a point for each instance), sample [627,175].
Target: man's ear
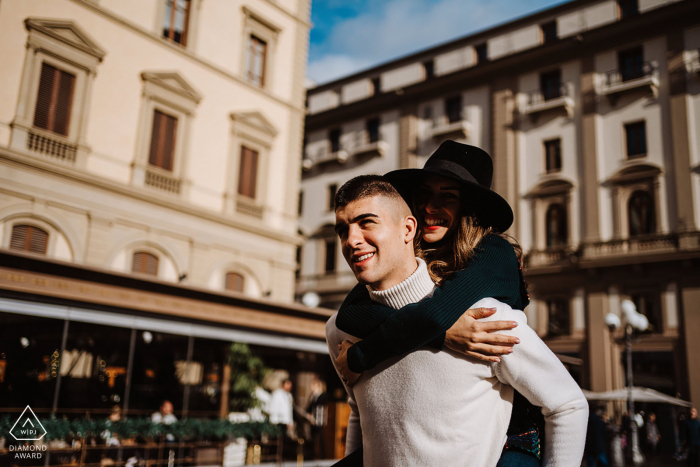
[410,225]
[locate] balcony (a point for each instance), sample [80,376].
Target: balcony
[637,78]
[342,281]
[539,101]
[693,64]
[162,180]
[322,156]
[361,145]
[646,245]
[51,145]
[442,129]
[550,257]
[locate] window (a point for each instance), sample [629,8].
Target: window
[145,263]
[550,84]
[300,207]
[559,322]
[631,63]
[429,67]
[332,190]
[641,214]
[627,8]
[334,137]
[255,61]
[53,103]
[248,172]
[373,130]
[549,32]
[297,270]
[175,20]
[481,53]
[552,154]
[376,86]
[162,141]
[557,231]
[453,109]
[329,265]
[29,238]
[235,282]
[636,136]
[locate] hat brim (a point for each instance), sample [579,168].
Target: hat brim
[489,208]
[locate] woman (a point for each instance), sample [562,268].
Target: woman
[459,216]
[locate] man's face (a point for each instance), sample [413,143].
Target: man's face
[693,413]
[166,408]
[375,240]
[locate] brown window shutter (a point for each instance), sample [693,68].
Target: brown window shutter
[248,173]
[145,263]
[54,100]
[162,141]
[29,238]
[235,282]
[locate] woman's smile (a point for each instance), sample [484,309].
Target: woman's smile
[437,205]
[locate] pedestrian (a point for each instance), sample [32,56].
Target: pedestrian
[595,440]
[317,415]
[653,435]
[281,409]
[691,438]
[165,415]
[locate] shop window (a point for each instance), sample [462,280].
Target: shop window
[176,20]
[248,172]
[235,282]
[29,238]
[557,231]
[559,321]
[453,109]
[640,212]
[144,263]
[552,152]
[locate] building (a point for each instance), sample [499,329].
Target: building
[149,161]
[591,111]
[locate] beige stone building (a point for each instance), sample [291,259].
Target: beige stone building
[150,155]
[591,111]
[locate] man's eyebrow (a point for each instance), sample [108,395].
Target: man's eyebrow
[339,225]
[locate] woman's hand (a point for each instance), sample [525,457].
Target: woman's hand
[476,339]
[348,376]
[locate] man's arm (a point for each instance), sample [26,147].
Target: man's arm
[353,441]
[534,371]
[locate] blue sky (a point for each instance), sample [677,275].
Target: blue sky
[350,35]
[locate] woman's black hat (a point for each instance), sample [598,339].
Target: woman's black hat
[472,168]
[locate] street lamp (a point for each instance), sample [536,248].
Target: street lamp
[634,321]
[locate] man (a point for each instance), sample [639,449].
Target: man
[317,415]
[281,406]
[165,415]
[427,407]
[691,437]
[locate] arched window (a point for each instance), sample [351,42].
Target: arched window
[234,282]
[559,321]
[557,231]
[29,238]
[640,213]
[145,263]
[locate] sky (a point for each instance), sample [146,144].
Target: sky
[351,35]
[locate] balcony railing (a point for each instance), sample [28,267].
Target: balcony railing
[548,257]
[631,78]
[694,64]
[161,181]
[542,100]
[361,144]
[52,146]
[442,129]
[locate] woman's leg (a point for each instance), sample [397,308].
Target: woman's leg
[511,458]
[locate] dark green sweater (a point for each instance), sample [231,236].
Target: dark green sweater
[494,271]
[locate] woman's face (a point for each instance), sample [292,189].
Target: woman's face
[437,207]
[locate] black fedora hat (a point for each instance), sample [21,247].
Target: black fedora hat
[472,168]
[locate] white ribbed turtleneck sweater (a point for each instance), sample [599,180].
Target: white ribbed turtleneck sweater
[432,408]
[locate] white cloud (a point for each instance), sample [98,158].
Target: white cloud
[330,67]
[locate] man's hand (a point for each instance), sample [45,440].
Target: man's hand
[348,376]
[473,338]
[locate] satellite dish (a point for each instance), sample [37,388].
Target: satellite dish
[311,299]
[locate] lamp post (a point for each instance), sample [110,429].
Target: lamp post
[634,321]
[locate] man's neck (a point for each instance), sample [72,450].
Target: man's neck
[411,289]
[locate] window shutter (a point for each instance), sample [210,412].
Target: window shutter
[248,172]
[235,282]
[162,141]
[145,263]
[29,238]
[54,100]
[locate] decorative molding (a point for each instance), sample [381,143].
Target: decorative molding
[67,32]
[172,81]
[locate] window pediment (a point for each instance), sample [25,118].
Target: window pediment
[634,172]
[255,120]
[551,185]
[173,82]
[68,33]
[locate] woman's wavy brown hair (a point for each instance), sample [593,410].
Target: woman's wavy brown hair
[453,254]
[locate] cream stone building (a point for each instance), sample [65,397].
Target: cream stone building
[591,111]
[150,155]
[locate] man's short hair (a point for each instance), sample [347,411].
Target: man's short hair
[364,186]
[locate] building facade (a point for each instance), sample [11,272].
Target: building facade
[591,111]
[149,161]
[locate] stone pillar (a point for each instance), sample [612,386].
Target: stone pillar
[504,148]
[408,137]
[589,198]
[600,351]
[691,336]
